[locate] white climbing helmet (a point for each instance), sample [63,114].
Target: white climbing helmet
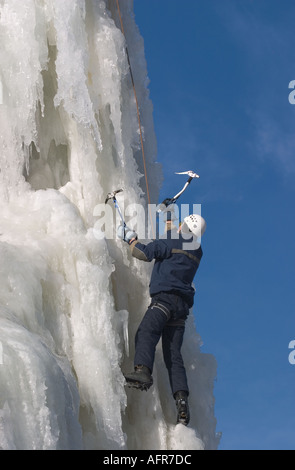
[194,223]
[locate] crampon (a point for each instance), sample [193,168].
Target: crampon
[139,386]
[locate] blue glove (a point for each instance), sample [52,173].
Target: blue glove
[126,234]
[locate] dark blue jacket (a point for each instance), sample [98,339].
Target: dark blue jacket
[176,263]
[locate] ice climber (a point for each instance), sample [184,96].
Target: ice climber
[177,259]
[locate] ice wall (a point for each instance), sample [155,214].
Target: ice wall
[70,301]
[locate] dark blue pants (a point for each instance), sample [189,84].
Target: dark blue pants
[165,317]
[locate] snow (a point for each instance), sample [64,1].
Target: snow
[70,301]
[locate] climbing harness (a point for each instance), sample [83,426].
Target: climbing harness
[186,253]
[161,307]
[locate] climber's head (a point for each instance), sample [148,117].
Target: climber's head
[194,224]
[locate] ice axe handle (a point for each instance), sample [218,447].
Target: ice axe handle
[119,210]
[113,197]
[168,201]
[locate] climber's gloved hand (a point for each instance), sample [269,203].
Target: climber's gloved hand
[126,233]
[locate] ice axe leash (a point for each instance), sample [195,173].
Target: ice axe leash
[112,196]
[168,201]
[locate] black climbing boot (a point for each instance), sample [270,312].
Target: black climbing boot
[140,378]
[181,400]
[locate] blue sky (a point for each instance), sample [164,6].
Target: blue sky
[219,72]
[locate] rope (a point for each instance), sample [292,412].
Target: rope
[138,117]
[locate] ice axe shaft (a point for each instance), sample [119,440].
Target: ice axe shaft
[112,196]
[172,200]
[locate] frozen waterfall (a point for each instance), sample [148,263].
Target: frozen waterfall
[70,302]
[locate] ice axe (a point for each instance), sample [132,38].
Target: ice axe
[168,201]
[112,196]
